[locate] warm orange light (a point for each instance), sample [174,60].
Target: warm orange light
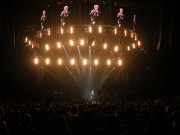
[47,47]
[93,43]
[40,35]
[29,42]
[71,42]
[108,62]
[115,31]
[36,60]
[100,29]
[72,61]
[62,31]
[90,29]
[49,32]
[128,48]
[125,33]
[84,62]
[132,35]
[119,62]
[71,30]
[96,62]
[139,43]
[133,45]
[47,61]
[105,46]
[60,61]
[82,42]
[58,44]
[26,39]
[116,48]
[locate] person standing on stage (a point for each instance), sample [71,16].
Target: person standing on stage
[64,14]
[120,17]
[43,20]
[94,12]
[92,95]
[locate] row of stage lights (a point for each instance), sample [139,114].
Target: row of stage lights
[91,30]
[105,45]
[82,43]
[72,62]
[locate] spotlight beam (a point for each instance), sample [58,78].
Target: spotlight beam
[104,78]
[77,69]
[71,74]
[79,52]
[66,53]
[50,73]
[89,54]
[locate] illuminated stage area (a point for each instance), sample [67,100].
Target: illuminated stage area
[83,54]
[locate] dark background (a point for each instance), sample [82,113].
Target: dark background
[154,71]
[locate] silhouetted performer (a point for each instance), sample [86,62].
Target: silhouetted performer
[94,12]
[120,17]
[43,20]
[92,96]
[64,14]
[134,23]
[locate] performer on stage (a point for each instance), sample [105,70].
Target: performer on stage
[64,14]
[134,23]
[43,20]
[120,17]
[92,95]
[94,12]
